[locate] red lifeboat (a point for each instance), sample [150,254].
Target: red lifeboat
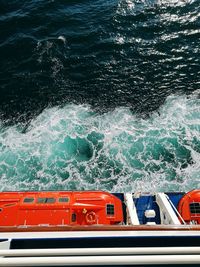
[189,207]
[59,208]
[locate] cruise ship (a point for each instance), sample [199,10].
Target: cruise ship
[97,228]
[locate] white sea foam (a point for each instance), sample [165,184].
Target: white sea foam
[75,148]
[62,38]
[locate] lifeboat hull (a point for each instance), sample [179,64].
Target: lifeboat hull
[59,208]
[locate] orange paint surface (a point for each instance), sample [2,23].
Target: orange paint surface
[59,208]
[189,207]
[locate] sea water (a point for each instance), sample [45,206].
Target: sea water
[98,94]
[74,148]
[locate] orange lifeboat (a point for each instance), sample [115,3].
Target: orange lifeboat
[189,207]
[59,208]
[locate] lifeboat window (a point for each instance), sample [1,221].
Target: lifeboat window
[50,200]
[29,200]
[110,209]
[63,199]
[195,207]
[43,200]
[73,217]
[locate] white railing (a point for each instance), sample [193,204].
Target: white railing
[99,251]
[100,256]
[101,260]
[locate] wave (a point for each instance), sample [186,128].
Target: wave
[73,147]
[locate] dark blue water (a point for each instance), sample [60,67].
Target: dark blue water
[100,94]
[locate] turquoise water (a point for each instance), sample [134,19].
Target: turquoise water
[73,147]
[100,94]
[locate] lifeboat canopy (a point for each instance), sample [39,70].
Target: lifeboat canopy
[189,207]
[59,208]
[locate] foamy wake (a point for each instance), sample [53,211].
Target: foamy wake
[75,148]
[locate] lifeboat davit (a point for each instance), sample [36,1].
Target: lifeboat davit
[189,207]
[59,208]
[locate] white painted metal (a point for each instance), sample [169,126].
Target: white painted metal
[99,251]
[77,234]
[5,245]
[131,209]
[167,214]
[101,260]
[175,209]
